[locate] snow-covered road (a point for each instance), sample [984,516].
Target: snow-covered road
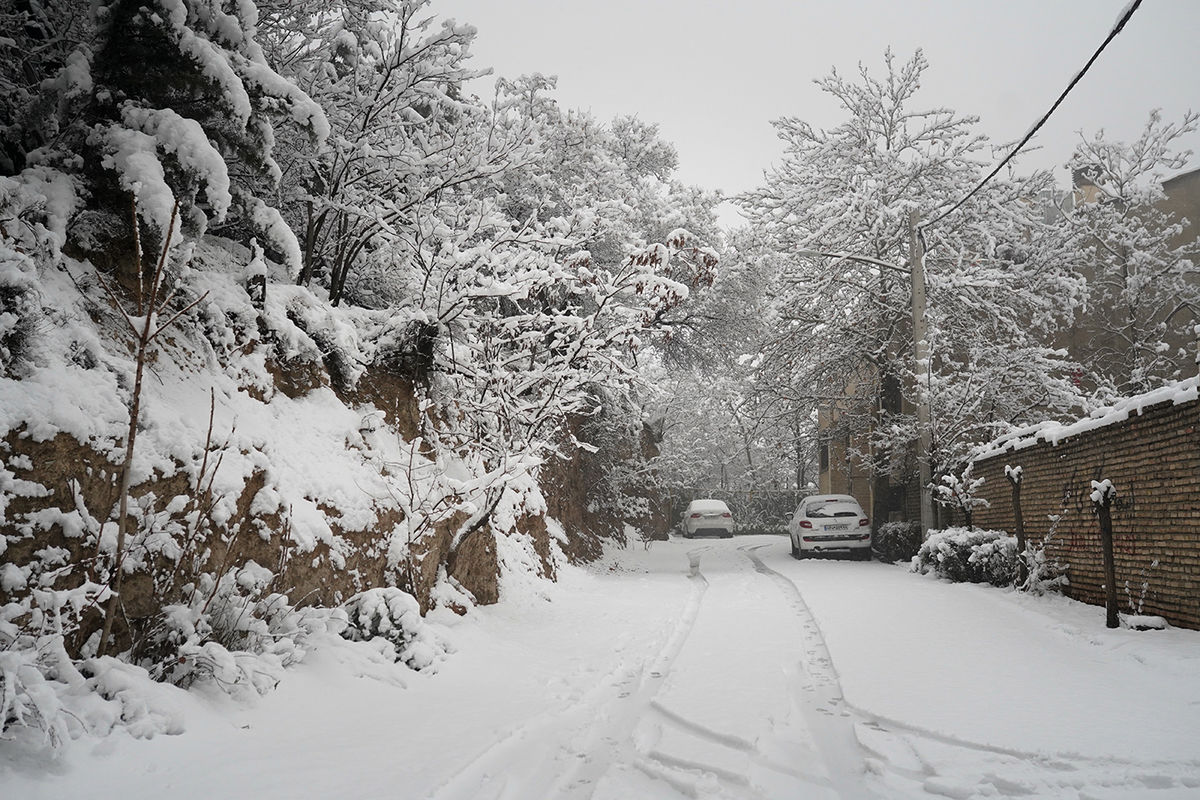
[720,669]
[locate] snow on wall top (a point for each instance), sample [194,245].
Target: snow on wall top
[1177,393]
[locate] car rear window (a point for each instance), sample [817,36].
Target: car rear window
[832,508]
[708,506]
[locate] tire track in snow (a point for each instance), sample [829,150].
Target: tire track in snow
[990,769]
[729,741]
[564,753]
[820,700]
[612,742]
[764,770]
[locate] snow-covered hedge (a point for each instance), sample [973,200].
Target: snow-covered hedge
[971,556]
[896,541]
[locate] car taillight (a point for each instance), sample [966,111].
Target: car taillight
[805,524]
[864,521]
[695,516]
[727,515]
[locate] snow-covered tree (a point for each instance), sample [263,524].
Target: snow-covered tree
[997,277]
[390,80]
[961,493]
[1144,291]
[169,100]
[725,425]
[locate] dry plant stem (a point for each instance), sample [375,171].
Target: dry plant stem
[201,500]
[285,540]
[221,572]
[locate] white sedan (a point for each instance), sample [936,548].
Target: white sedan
[830,523]
[707,518]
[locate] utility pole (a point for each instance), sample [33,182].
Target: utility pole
[916,265]
[916,274]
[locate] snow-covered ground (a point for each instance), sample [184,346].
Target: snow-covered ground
[720,669]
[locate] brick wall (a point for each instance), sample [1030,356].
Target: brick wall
[1153,460]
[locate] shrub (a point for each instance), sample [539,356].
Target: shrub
[20,314]
[1044,574]
[896,541]
[46,697]
[232,632]
[970,556]
[394,615]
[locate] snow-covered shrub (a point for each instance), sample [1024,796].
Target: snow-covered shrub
[971,556]
[46,694]
[33,208]
[1143,589]
[19,316]
[896,541]
[33,656]
[394,615]
[1044,574]
[232,632]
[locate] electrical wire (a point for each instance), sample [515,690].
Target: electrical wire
[1132,7]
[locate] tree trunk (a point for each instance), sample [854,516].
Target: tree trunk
[1019,529]
[310,241]
[1110,569]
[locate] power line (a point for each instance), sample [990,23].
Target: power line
[1132,7]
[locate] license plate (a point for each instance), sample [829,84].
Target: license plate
[837,527]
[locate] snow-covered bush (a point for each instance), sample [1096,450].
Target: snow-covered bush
[233,632]
[27,694]
[896,541]
[1044,574]
[45,694]
[34,665]
[394,615]
[971,556]
[18,316]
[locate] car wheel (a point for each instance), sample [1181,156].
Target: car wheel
[795,549]
[862,555]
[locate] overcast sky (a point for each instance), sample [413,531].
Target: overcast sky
[713,73]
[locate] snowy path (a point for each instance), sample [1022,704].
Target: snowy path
[740,701]
[564,753]
[720,669]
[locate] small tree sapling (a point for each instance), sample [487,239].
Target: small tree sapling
[145,326]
